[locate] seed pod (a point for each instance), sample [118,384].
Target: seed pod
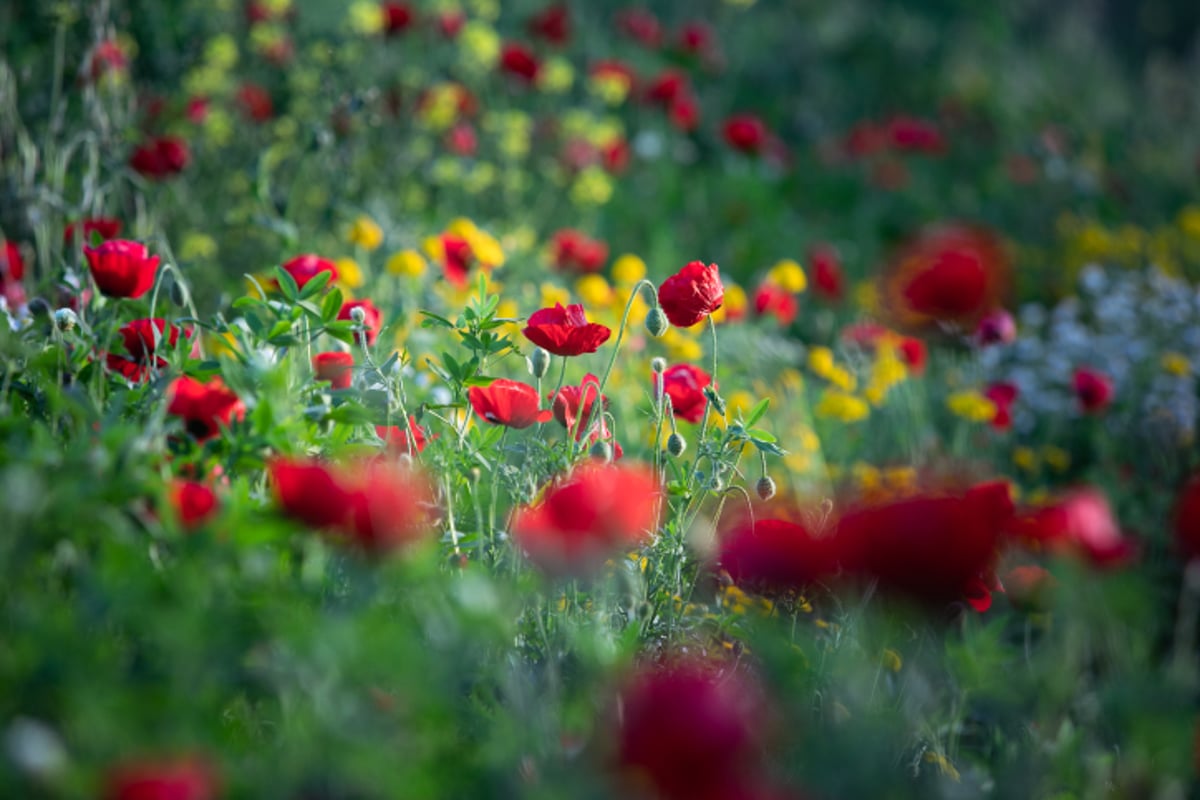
[765,487]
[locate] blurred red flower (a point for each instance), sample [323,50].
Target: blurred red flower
[204,406]
[180,779]
[581,521]
[573,405]
[122,268]
[684,384]
[696,38]
[336,367]
[519,61]
[372,318]
[776,554]
[691,294]
[1186,518]
[573,251]
[914,135]
[1028,587]
[1002,394]
[161,157]
[1093,389]
[461,140]
[745,133]
[552,23]
[509,403]
[12,265]
[450,23]
[255,102]
[303,268]
[106,227]
[771,298]
[1082,523]
[914,354]
[397,436]
[640,25]
[998,327]
[667,87]
[828,281]
[565,331]
[107,58]
[457,258]
[397,18]
[194,503]
[684,112]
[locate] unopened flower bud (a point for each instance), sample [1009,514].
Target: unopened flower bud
[65,319]
[718,404]
[539,362]
[358,315]
[656,322]
[676,444]
[658,364]
[765,487]
[179,293]
[601,451]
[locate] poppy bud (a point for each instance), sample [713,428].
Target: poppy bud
[656,322]
[717,403]
[658,364]
[65,319]
[358,315]
[38,307]
[601,451]
[676,444]
[539,362]
[765,487]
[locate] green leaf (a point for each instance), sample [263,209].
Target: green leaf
[331,305]
[479,380]
[247,300]
[315,284]
[287,284]
[432,320]
[769,447]
[279,328]
[761,435]
[756,413]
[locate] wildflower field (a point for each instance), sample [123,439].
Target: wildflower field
[559,399]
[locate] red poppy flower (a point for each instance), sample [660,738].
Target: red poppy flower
[106,227]
[615,155]
[640,25]
[914,354]
[949,274]
[1186,518]
[303,268]
[12,265]
[596,513]
[865,139]
[204,407]
[745,133]
[450,23]
[122,268]
[161,158]
[107,58]
[690,732]
[1002,394]
[684,384]
[668,86]
[684,112]
[336,366]
[1093,389]
[397,18]
[143,336]
[457,260]
[1081,522]
[913,135]
[572,251]
[461,140]
[565,331]
[372,318]
[998,327]
[509,403]
[397,436]
[776,554]
[519,61]
[552,23]
[183,779]
[255,102]
[935,549]
[691,294]
[696,38]
[194,503]
[569,401]
[828,281]
[771,298]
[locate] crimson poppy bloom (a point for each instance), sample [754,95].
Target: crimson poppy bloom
[303,268]
[12,265]
[573,251]
[666,87]
[160,158]
[1186,518]
[1093,389]
[450,23]
[552,23]
[998,327]
[181,779]
[457,258]
[397,436]
[573,405]
[255,102]
[1002,394]
[565,331]
[461,140]
[684,384]
[776,554]
[596,513]
[691,294]
[771,298]
[336,366]
[935,549]
[913,135]
[519,61]
[509,403]
[397,18]
[690,732]
[122,268]
[684,112]
[745,133]
[828,281]
[615,155]
[914,354]
[696,38]
[106,227]
[1081,523]
[952,274]
[641,26]
[204,406]
[372,317]
[194,503]
[143,336]
[107,58]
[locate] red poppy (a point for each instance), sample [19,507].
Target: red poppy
[696,38]
[107,58]
[204,407]
[509,403]
[640,25]
[950,274]
[194,503]
[255,102]
[461,140]
[197,110]
[935,549]
[684,112]
[303,268]
[1186,518]
[182,779]
[565,331]
[336,367]
[1081,522]
[143,336]
[573,251]
[161,158]
[914,135]
[450,23]
[122,268]
[615,155]
[552,23]
[595,514]
[519,61]
[1093,389]
[684,384]
[106,227]
[690,732]
[569,401]
[828,281]
[397,18]
[1002,394]
[457,259]
[998,327]
[914,354]
[771,298]
[12,265]
[745,133]
[865,139]
[691,294]
[1028,587]
[668,86]
[776,554]
[397,436]
[372,317]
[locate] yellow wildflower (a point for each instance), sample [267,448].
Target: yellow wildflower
[629,269]
[556,76]
[971,405]
[735,301]
[1056,458]
[366,17]
[903,479]
[197,246]
[365,233]
[842,406]
[789,276]
[407,263]
[552,294]
[866,476]
[866,296]
[611,87]
[592,187]
[1025,458]
[892,660]
[480,45]
[350,275]
[1176,364]
[1189,221]
[594,291]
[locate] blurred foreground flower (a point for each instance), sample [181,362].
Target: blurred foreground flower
[189,779]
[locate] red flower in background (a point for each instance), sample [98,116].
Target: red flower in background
[1186,518]
[573,405]
[552,23]
[595,514]
[461,140]
[691,294]
[948,274]
[1002,394]
[1028,587]
[122,268]
[914,354]
[998,327]
[1093,389]
[771,298]
[450,23]
[204,407]
[745,133]
[183,779]
[255,102]
[161,157]
[372,317]
[457,257]
[397,18]
[935,549]
[776,554]
[573,251]
[1082,522]
[690,732]
[519,61]
[696,38]
[336,367]
[909,134]
[640,25]
[509,403]
[669,86]
[140,336]
[684,112]
[194,503]
[12,265]
[107,58]
[397,436]
[828,281]
[866,138]
[565,331]
[303,268]
[106,227]
[684,384]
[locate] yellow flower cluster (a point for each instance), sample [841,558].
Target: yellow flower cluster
[841,406]
[971,405]
[887,371]
[365,233]
[821,362]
